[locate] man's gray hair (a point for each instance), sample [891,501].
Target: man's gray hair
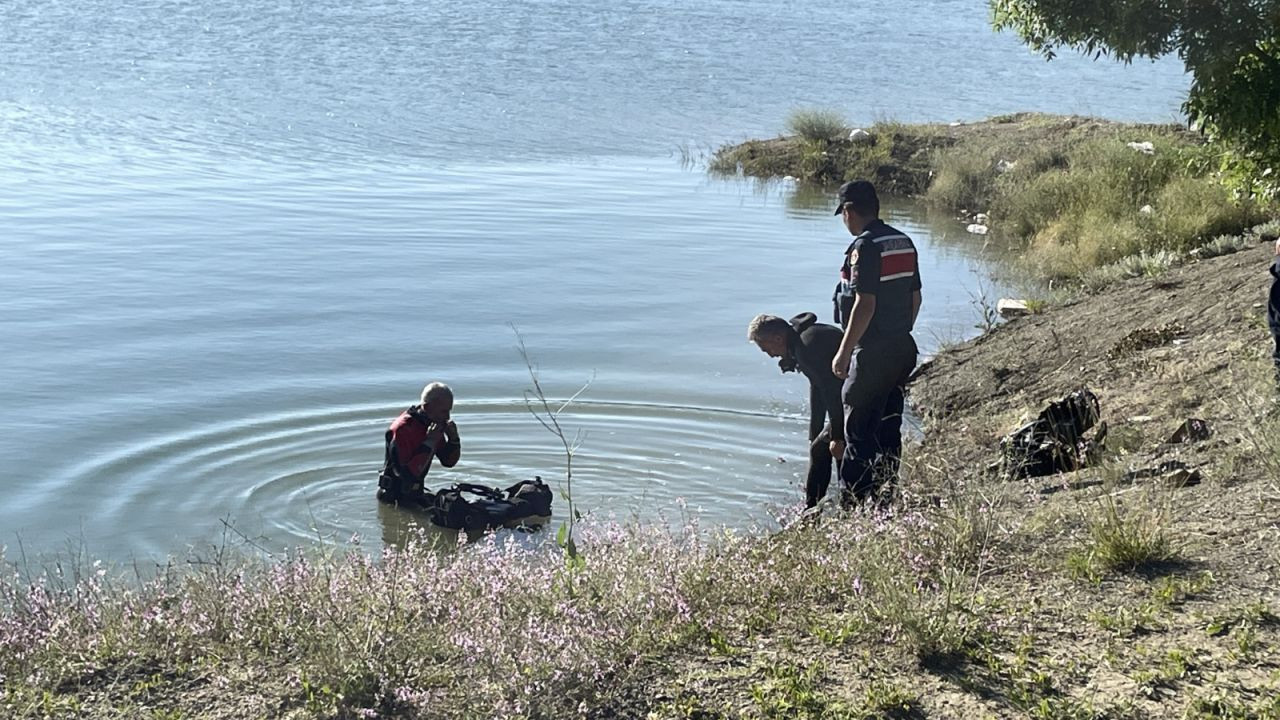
[436,391]
[766,326]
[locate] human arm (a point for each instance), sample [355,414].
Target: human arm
[816,414]
[915,307]
[452,450]
[864,307]
[865,278]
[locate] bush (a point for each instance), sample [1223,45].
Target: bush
[1223,245]
[964,180]
[1191,211]
[1110,202]
[819,125]
[1125,538]
[1133,266]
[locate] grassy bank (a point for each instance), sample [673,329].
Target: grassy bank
[1073,194]
[1096,594]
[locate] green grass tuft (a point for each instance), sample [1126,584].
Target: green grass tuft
[817,125]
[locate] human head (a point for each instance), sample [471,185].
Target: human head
[437,401]
[858,204]
[769,332]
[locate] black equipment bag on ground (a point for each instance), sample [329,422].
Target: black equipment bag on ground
[1055,441]
[467,506]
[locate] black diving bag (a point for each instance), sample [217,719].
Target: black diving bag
[1055,441]
[467,506]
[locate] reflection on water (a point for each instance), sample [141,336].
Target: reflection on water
[404,528]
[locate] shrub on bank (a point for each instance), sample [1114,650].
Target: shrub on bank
[1092,201]
[816,124]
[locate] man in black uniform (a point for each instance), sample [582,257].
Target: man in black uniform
[806,345]
[1273,308]
[877,353]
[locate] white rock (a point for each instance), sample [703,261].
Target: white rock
[1146,209]
[1146,148]
[977,229]
[1005,166]
[1008,307]
[788,179]
[858,135]
[982,219]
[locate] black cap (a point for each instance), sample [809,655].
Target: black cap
[861,193]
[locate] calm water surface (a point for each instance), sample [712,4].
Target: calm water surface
[238,237]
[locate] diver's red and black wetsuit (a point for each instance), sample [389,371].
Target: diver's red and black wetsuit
[408,455]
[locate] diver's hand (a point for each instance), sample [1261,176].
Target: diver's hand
[435,433]
[451,431]
[837,449]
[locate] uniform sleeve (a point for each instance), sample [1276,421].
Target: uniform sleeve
[866,268]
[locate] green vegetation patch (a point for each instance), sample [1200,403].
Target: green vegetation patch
[1074,194]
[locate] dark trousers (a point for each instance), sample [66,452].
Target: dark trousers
[888,440]
[873,406]
[1273,313]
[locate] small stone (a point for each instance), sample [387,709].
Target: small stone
[982,219]
[860,136]
[977,229]
[1146,148]
[1007,307]
[1146,210]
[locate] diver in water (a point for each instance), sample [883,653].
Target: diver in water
[809,346]
[419,435]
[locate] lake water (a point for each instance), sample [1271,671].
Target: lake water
[239,236]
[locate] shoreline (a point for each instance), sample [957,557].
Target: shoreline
[1142,586]
[976,598]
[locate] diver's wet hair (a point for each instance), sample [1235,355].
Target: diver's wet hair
[436,391]
[766,325]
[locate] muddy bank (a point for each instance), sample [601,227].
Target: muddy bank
[1155,350]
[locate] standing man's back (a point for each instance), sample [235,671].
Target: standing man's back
[881,281]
